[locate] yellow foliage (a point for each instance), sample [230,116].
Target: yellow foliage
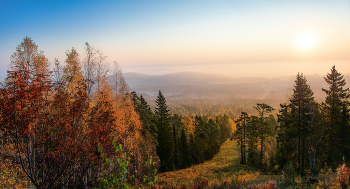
[188,122]
[232,125]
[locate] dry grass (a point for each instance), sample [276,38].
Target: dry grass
[224,170]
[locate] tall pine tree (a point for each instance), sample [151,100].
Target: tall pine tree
[264,129]
[301,103]
[336,98]
[165,148]
[240,134]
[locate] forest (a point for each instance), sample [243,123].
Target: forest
[80,126]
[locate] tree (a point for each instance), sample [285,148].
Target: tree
[336,97]
[301,103]
[177,127]
[285,137]
[252,140]
[149,125]
[315,135]
[214,138]
[54,129]
[185,151]
[226,127]
[28,58]
[49,154]
[240,134]
[165,148]
[264,129]
[201,139]
[72,74]
[89,67]
[299,127]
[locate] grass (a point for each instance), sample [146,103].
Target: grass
[223,169]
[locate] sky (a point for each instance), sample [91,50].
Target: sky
[237,38]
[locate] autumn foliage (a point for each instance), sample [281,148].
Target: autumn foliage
[52,124]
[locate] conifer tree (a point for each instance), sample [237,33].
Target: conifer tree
[165,148]
[147,117]
[240,134]
[185,151]
[336,97]
[264,128]
[214,138]
[285,138]
[201,139]
[301,103]
[252,140]
[177,127]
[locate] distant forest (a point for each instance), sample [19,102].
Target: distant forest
[80,126]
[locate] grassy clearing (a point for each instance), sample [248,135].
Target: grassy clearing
[223,168]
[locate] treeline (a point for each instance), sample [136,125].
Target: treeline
[78,126]
[309,135]
[181,141]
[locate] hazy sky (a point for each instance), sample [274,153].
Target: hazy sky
[237,38]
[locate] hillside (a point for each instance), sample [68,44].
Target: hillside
[223,170]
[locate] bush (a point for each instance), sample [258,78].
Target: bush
[288,174]
[120,177]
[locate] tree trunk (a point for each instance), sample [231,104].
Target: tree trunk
[261,152]
[242,157]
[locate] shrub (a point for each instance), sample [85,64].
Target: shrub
[343,176]
[288,174]
[120,177]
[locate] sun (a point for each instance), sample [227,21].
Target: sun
[305,41]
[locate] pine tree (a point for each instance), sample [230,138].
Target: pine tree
[185,151]
[264,128]
[295,128]
[301,103]
[240,134]
[177,127]
[165,148]
[252,140]
[285,138]
[344,130]
[147,117]
[336,97]
[214,138]
[201,139]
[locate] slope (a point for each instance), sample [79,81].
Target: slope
[223,168]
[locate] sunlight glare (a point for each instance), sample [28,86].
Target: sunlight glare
[305,41]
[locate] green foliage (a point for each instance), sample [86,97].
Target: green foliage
[116,174]
[185,150]
[240,134]
[151,177]
[288,174]
[147,118]
[296,119]
[165,149]
[335,108]
[118,178]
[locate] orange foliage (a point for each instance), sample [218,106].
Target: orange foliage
[56,128]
